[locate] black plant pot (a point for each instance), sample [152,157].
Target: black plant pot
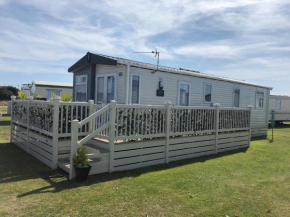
[82,173]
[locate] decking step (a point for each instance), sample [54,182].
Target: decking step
[65,165]
[93,147]
[95,154]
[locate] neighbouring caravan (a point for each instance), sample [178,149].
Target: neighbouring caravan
[104,78]
[281,106]
[46,89]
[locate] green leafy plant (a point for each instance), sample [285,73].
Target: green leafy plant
[22,95]
[81,158]
[66,98]
[5,94]
[36,97]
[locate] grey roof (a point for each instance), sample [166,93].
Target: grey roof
[52,83]
[180,71]
[279,97]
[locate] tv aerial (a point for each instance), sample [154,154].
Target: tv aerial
[156,55]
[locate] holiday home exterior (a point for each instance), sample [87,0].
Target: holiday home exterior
[104,78]
[128,114]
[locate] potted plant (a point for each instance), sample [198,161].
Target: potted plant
[81,164]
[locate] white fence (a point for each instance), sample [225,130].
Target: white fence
[149,134]
[160,134]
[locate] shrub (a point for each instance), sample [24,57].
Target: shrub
[14,90]
[22,95]
[81,158]
[66,98]
[5,94]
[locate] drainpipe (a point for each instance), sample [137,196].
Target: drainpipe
[127,101]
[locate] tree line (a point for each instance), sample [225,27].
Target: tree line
[7,91]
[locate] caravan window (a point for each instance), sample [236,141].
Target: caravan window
[51,93]
[184,94]
[237,97]
[135,89]
[259,99]
[278,104]
[81,88]
[105,89]
[207,92]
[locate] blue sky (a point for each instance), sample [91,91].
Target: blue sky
[242,39]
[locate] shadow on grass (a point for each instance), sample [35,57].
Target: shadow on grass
[4,123]
[280,126]
[60,184]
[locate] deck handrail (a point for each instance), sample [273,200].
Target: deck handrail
[76,143]
[94,115]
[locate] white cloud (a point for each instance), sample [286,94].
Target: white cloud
[250,33]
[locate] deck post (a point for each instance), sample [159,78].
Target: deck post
[250,107]
[74,147]
[55,127]
[167,129]
[12,100]
[91,111]
[30,98]
[112,134]
[217,116]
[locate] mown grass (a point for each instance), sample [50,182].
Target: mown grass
[253,182]
[3,109]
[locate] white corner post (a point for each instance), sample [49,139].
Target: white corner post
[250,107]
[217,117]
[12,112]
[112,134]
[30,98]
[127,101]
[74,147]
[55,128]
[167,129]
[91,111]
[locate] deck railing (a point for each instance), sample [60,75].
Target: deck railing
[124,122]
[139,122]
[101,114]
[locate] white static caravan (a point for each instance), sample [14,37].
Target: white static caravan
[281,105]
[104,78]
[46,89]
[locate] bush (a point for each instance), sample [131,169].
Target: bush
[22,95]
[14,90]
[5,94]
[81,158]
[66,98]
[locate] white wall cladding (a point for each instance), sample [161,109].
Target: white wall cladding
[120,80]
[222,92]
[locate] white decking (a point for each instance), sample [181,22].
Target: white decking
[123,137]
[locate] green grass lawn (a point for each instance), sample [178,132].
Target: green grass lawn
[3,109]
[253,182]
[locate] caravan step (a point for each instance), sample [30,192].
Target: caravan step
[91,151]
[65,165]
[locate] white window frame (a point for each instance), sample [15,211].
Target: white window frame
[280,104]
[204,89]
[235,88]
[105,76]
[260,108]
[189,91]
[86,83]
[131,92]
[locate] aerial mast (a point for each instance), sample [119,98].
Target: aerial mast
[156,55]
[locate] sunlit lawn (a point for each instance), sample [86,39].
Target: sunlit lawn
[253,182]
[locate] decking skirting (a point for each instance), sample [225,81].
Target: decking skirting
[134,155]
[39,146]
